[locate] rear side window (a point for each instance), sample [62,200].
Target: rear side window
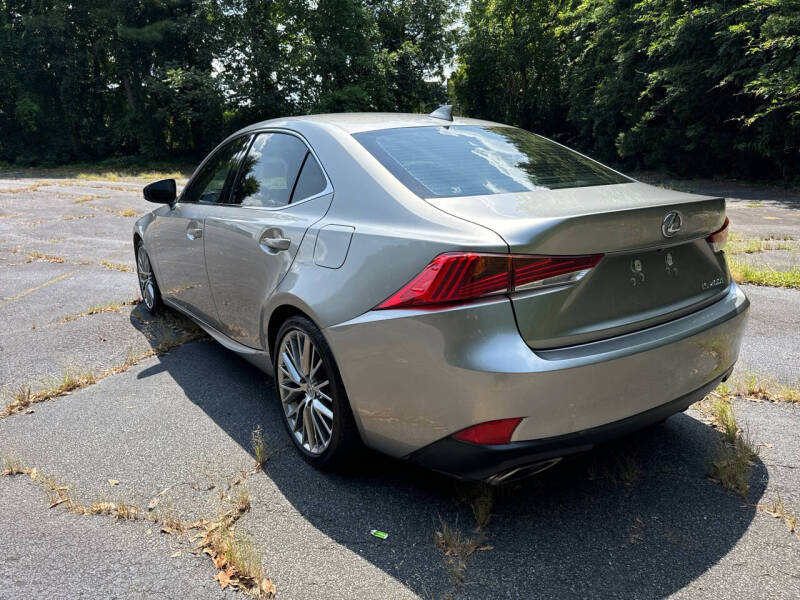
[311,180]
[465,160]
[269,171]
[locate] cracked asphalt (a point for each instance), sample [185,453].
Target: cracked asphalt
[179,427]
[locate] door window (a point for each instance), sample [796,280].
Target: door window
[269,172]
[209,184]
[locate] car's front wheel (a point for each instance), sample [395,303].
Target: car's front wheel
[151,295]
[316,411]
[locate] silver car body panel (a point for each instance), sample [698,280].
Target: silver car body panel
[416,376]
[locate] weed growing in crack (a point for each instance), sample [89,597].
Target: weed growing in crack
[238,562]
[779,510]
[735,453]
[259,447]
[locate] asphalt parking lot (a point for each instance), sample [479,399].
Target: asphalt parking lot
[639,518]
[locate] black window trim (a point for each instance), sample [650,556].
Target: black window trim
[226,189]
[309,152]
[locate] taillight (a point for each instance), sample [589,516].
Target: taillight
[490,433]
[458,277]
[719,238]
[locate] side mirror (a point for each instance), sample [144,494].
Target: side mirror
[162,192]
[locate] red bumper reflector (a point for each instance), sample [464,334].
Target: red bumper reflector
[490,433]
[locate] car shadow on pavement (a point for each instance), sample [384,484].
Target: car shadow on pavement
[636,518]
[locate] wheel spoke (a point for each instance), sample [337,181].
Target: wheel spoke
[320,408]
[324,395]
[292,369]
[309,412]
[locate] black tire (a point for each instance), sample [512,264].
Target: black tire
[345,441]
[151,301]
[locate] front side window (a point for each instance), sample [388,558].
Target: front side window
[209,184]
[269,172]
[466,160]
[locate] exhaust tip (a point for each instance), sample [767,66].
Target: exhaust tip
[522,472]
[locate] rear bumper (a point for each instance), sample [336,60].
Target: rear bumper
[498,464]
[415,377]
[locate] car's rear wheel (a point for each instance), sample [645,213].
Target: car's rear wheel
[316,411]
[151,295]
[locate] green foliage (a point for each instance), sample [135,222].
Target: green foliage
[691,86]
[163,79]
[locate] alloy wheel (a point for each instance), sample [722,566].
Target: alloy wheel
[146,281]
[304,386]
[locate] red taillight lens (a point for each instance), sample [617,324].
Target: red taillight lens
[453,278]
[719,238]
[490,433]
[461,276]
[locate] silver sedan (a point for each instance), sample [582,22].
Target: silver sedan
[459,293]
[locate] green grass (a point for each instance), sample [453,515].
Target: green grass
[764,275]
[740,245]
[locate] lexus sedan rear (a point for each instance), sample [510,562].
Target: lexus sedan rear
[459,293]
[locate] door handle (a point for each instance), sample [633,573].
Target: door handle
[194,233]
[273,239]
[276,243]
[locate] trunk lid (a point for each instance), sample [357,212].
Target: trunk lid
[645,277]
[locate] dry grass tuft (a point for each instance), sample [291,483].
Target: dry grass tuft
[259,447]
[82,199]
[758,389]
[127,212]
[238,562]
[101,308]
[778,510]
[115,266]
[616,463]
[70,381]
[481,503]
[457,548]
[13,466]
[34,255]
[29,188]
[735,452]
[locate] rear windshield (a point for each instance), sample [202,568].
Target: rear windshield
[464,160]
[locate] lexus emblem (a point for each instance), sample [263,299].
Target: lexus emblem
[671,224]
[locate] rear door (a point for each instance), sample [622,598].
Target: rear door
[251,241]
[179,233]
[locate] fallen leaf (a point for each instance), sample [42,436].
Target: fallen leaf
[223,579]
[219,562]
[30,411]
[175,554]
[486,547]
[102,339]
[153,503]
[267,587]
[165,529]
[113,482]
